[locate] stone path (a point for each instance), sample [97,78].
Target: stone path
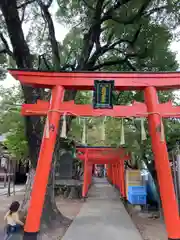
[103,216]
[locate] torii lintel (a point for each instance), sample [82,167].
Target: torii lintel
[85,80]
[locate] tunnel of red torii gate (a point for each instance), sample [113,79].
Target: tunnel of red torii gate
[58,82]
[113,158]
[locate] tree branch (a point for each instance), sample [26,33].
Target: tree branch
[102,51]
[116,96]
[3,51]
[157,9]
[117,62]
[49,3]
[54,44]
[106,4]
[139,13]
[67,66]
[25,4]
[109,15]
[88,5]
[129,64]
[6,46]
[109,63]
[107,47]
[40,58]
[45,62]
[23,13]
[92,37]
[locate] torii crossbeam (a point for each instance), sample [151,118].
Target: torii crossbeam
[137,109]
[150,83]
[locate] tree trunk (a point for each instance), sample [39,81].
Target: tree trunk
[52,217]
[33,124]
[23,60]
[159,197]
[153,173]
[29,183]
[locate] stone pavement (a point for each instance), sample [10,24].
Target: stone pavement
[103,216]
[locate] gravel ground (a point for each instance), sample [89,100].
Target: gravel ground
[150,228]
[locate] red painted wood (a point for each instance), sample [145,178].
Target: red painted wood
[103,150]
[32,224]
[100,161]
[136,110]
[100,156]
[85,80]
[122,173]
[87,175]
[167,191]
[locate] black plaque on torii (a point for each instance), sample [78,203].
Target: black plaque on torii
[103,94]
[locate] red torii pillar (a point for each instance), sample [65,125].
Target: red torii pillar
[85,180]
[122,172]
[109,172]
[167,192]
[31,228]
[118,175]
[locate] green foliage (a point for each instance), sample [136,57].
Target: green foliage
[134,37]
[16,143]
[12,123]
[172,127]
[83,97]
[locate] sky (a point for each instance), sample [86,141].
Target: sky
[61,32]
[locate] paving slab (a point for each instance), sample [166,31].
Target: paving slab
[103,216]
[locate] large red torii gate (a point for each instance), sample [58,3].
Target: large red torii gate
[150,83]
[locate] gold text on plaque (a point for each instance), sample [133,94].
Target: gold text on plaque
[103,94]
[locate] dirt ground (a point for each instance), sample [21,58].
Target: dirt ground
[70,208]
[150,228]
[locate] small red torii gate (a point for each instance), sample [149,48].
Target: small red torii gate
[113,157]
[150,83]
